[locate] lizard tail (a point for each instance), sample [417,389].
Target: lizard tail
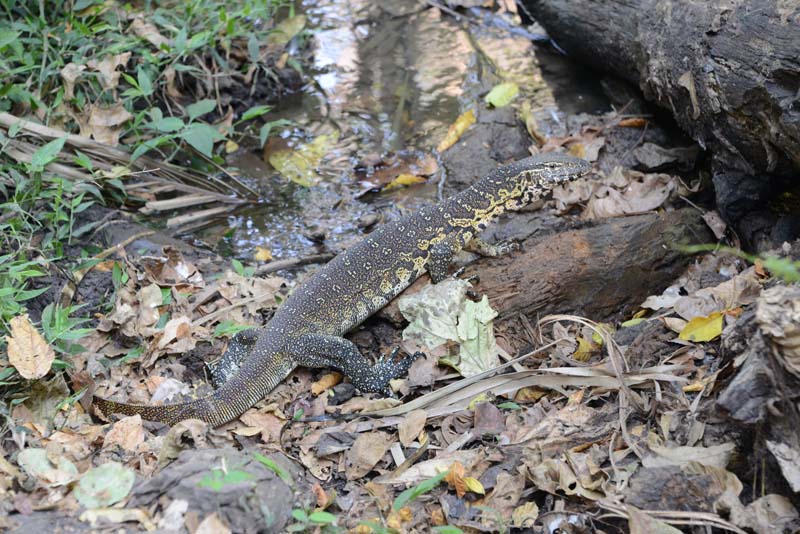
[230,401]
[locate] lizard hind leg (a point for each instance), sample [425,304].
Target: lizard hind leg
[322,350]
[227,365]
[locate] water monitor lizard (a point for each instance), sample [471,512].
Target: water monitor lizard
[307,329]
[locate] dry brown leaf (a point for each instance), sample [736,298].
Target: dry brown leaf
[430,468]
[716,456]
[108,69]
[148,31]
[778,317]
[177,336]
[411,426]
[172,88]
[70,74]
[642,523]
[105,124]
[621,192]
[504,498]
[741,290]
[105,516]
[269,424]
[455,478]
[366,452]
[633,122]
[128,433]
[28,352]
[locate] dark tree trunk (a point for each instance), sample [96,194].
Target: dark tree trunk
[729,71]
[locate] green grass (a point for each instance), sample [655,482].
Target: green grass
[158,74]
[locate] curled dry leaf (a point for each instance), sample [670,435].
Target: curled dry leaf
[716,456]
[28,351]
[104,516]
[455,478]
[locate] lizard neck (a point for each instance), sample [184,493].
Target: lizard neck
[478,205]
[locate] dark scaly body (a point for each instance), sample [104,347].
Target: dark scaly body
[306,330]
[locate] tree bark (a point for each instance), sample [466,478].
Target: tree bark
[599,272]
[729,71]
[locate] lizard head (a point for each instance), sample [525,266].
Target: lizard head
[531,178]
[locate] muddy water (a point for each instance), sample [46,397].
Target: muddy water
[387,81]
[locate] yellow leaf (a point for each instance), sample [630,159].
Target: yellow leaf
[632,322]
[404,180]
[502,94]
[28,351]
[456,130]
[597,338]
[231,146]
[263,254]
[300,165]
[525,516]
[577,150]
[480,398]
[474,485]
[695,387]
[585,350]
[703,328]
[286,30]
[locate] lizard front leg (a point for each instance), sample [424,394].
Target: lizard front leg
[323,350]
[482,248]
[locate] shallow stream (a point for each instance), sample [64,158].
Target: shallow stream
[385,84]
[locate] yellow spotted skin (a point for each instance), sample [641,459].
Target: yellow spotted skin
[307,329]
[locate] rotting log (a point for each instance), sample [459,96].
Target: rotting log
[728,71]
[599,272]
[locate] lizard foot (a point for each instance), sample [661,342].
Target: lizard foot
[392,366]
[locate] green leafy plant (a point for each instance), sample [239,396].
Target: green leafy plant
[311,521]
[217,479]
[415,492]
[241,270]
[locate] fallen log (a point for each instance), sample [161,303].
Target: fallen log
[599,272]
[728,71]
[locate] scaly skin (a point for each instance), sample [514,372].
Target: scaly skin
[307,329]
